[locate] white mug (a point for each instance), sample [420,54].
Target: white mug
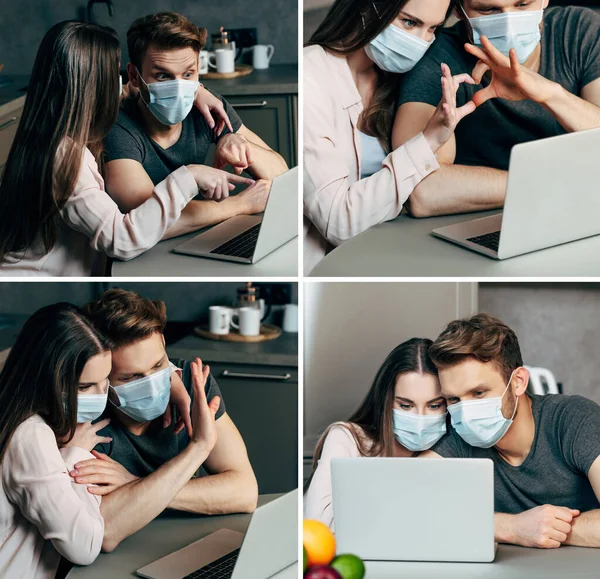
[219,320]
[249,318]
[290,318]
[262,54]
[203,62]
[224,60]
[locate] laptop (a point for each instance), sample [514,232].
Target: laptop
[269,546]
[552,197]
[414,509]
[249,238]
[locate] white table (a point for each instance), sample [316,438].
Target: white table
[160,261]
[165,534]
[405,247]
[511,563]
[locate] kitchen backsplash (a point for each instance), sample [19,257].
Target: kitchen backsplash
[276,22]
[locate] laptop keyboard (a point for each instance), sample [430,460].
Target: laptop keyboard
[220,569]
[241,245]
[489,240]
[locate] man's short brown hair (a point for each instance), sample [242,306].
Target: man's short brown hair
[126,317]
[483,338]
[165,30]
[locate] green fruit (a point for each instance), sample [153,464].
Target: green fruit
[349,566]
[305,559]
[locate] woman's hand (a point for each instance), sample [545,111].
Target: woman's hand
[212,108]
[182,401]
[86,436]
[216,184]
[445,118]
[203,413]
[103,471]
[510,80]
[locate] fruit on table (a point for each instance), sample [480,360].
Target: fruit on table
[349,566]
[319,543]
[304,559]
[321,572]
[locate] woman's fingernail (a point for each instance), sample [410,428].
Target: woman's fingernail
[74,472]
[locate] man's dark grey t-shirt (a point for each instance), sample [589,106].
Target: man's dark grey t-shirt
[570,57]
[566,443]
[142,455]
[128,140]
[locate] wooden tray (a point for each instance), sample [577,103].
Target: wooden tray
[240,70]
[267,332]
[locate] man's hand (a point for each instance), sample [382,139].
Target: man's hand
[212,108]
[216,184]
[446,116]
[254,198]
[235,150]
[510,80]
[545,527]
[182,401]
[203,414]
[101,470]
[86,436]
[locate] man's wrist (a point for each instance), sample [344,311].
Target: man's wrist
[503,528]
[554,97]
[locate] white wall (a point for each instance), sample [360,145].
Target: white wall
[349,329]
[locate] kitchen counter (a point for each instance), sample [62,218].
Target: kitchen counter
[278,79]
[12,92]
[280,352]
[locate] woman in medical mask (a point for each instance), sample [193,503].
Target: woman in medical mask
[353,67]
[403,413]
[56,219]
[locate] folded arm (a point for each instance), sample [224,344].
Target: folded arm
[585,530]
[452,188]
[230,486]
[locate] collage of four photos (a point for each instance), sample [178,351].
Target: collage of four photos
[261,265]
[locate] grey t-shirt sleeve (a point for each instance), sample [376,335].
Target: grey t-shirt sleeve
[120,143]
[578,432]
[452,445]
[584,31]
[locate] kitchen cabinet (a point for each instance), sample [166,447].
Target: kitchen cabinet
[262,400]
[9,121]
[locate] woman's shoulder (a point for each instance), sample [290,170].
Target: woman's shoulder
[320,64]
[347,433]
[31,437]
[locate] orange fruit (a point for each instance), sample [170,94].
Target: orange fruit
[319,542]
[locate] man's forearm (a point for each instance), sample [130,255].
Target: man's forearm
[572,112]
[199,214]
[585,530]
[131,507]
[218,494]
[267,164]
[458,189]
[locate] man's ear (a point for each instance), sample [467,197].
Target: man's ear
[163,340]
[521,380]
[134,77]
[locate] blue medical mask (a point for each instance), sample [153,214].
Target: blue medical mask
[395,50]
[147,398]
[171,100]
[90,406]
[481,423]
[518,30]
[417,431]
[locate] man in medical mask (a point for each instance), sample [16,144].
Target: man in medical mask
[545,449]
[135,469]
[537,74]
[159,130]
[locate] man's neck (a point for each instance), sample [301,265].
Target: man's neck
[515,445]
[137,428]
[168,134]
[535,59]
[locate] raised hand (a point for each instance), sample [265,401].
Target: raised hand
[203,414]
[445,118]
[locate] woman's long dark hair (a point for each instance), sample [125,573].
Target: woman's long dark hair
[375,436]
[72,102]
[42,372]
[349,26]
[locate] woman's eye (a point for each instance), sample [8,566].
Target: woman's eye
[405,406]
[84,388]
[409,23]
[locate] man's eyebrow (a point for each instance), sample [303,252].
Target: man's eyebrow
[483,6]
[159,68]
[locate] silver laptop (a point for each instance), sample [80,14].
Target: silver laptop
[248,238]
[552,197]
[269,546]
[414,509]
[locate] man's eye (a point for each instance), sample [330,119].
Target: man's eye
[478,394]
